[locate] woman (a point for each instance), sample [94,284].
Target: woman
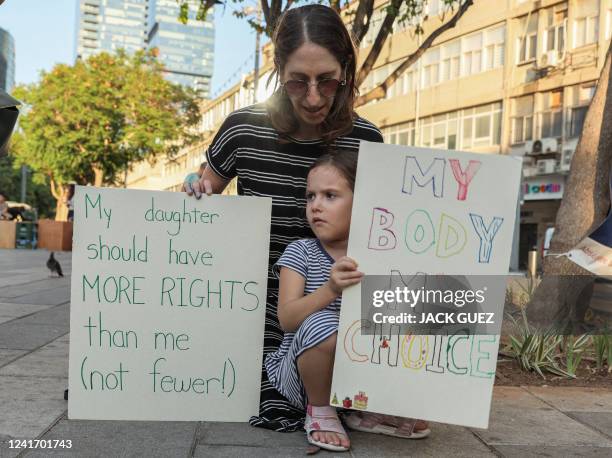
[270,147]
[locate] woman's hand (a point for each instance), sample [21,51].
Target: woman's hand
[209,183]
[196,185]
[344,273]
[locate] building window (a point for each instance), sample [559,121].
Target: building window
[431,68]
[554,37]
[552,123]
[527,47]
[522,129]
[527,38]
[400,134]
[471,54]
[451,53]
[481,126]
[585,30]
[469,128]
[581,96]
[577,116]
[408,82]
[522,119]
[551,115]
[494,48]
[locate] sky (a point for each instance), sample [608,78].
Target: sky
[44,34]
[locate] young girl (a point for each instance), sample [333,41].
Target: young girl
[313,273]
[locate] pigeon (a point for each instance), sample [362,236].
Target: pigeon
[54,266]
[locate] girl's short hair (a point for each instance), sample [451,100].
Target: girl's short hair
[322,26]
[344,161]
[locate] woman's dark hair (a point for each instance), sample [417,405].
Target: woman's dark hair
[322,26]
[344,161]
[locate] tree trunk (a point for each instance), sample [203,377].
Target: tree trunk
[585,204]
[380,91]
[361,22]
[60,192]
[98,176]
[379,41]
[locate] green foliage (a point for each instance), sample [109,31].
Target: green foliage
[535,350]
[87,122]
[574,349]
[37,187]
[602,347]
[547,351]
[202,8]
[412,11]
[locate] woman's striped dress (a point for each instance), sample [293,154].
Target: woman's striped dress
[247,146]
[308,258]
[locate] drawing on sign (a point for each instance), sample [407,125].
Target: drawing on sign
[440,212]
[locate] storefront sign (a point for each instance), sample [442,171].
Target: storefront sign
[550,187]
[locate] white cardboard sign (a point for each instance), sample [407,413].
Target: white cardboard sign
[167,305]
[418,210]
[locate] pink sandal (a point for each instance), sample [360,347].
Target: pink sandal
[388,425]
[323,418]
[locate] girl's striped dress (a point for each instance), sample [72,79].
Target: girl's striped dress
[308,258]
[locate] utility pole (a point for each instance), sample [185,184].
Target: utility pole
[256,63]
[24,181]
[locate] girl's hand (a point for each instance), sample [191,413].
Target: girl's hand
[344,273]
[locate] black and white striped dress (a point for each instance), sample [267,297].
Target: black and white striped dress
[247,146]
[308,258]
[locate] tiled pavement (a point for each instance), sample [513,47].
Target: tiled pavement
[34,325]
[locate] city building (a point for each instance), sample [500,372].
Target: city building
[513,77]
[185,50]
[7,61]
[107,25]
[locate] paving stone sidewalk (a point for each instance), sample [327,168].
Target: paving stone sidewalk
[34,339]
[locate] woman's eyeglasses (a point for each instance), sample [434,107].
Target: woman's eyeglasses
[327,87]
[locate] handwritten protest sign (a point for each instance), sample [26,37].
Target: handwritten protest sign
[167,305]
[419,210]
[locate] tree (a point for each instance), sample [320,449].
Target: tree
[564,290]
[397,11]
[88,122]
[37,194]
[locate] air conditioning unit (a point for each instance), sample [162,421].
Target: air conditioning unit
[546,166]
[550,145]
[542,146]
[549,59]
[566,160]
[533,147]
